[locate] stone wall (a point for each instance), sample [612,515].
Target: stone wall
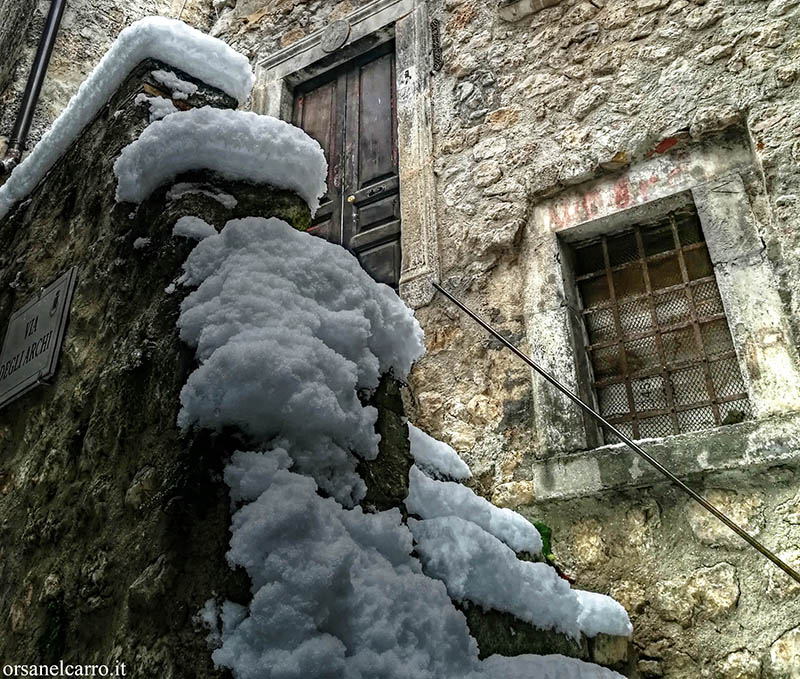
[527,110]
[703,603]
[113,524]
[540,103]
[87,30]
[16,17]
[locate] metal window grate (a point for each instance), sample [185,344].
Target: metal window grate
[657,338]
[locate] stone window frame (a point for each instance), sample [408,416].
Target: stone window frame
[713,179]
[406,22]
[648,275]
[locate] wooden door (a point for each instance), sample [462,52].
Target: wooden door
[352,113]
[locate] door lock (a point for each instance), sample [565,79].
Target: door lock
[351,199]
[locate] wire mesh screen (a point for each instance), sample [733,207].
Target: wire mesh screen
[658,341]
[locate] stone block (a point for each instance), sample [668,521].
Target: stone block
[588,544]
[780,586]
[739,665]
[487,173]
[514,10]
[609,651]
[709,593]
[714,591]
[783,660]
[673,604]
[514,494]
[745,509]
[630,594]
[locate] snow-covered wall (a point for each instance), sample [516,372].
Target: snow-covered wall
[167,40]
[112,503]
[87,31]
[523,110]
[114,526]
[288,328]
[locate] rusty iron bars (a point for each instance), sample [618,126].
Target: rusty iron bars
[749,539]
[657,334]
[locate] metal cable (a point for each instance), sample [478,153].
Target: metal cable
[633,446]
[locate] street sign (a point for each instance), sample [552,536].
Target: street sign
[33,339]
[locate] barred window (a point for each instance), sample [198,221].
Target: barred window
[657,338]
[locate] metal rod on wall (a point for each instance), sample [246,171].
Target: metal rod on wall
[33,87]
[755,544]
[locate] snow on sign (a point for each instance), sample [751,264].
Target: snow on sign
[33,339]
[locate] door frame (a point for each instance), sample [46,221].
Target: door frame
[406,22]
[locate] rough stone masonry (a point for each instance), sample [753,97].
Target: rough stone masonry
[542,105]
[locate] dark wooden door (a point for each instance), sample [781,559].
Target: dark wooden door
[352,113]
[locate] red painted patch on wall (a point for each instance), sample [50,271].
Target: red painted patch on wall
[622,193]
[666,144]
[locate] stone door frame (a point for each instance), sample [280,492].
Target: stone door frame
[406,22]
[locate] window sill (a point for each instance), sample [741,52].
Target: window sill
[752,444]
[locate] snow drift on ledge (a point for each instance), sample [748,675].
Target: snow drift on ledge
[469,544]
[436,458]
[239,145]
[173,42]
[287,328]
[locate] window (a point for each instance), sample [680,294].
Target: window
[660,353]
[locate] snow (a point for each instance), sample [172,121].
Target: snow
[600,614]
[239,145]
[193,227]
[476,566]
[181,89]
[141,243]
[159,106]
[207,617]
[436,458]
[287,329]
[307,312]
[337,594]
[173,42]
[542,667]
[183,188]
[431,499]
